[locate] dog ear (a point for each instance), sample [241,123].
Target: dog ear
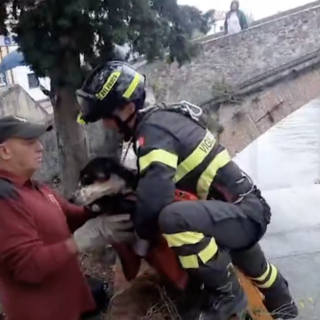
[105,166]
[130,176]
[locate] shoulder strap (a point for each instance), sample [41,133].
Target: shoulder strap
[7,189]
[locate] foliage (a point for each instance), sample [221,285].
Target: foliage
[53,34]
[222,90]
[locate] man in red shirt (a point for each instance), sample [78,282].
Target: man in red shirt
[40,278]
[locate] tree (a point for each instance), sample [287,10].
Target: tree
[56,35]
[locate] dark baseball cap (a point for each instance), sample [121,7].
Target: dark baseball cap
[17,127]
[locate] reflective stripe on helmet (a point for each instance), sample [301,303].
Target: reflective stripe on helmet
[112,80]
[80,119]
[108,85]
[133,86]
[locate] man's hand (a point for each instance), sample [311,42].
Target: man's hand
[89,235]
[102,230]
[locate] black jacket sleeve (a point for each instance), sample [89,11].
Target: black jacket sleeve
[157,162]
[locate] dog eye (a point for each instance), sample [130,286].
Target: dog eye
[85,180]
[101,176]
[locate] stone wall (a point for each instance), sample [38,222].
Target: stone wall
[14,100]
[230,60]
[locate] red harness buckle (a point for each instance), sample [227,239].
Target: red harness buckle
[180,195]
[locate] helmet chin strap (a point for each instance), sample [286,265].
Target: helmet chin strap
[127,132]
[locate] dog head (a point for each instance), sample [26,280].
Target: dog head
[102,182]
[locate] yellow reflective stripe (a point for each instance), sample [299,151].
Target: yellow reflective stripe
[192,262]
[264,275]
[158,155]
[209,251]
[182,238]
[133,86]
[270,282]
[111,81]
[196,157]
[189,262]
[273,275]
[80,119]
[205,180]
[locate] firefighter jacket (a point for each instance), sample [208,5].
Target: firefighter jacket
[175,152]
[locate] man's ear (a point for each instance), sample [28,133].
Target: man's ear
[5,153]
[126,110]
[132,107]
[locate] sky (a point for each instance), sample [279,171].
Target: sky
[258,8]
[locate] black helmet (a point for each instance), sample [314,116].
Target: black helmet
[108,87]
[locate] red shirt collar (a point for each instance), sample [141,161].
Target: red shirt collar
[18,181]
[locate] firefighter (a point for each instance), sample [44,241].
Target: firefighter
[175,151]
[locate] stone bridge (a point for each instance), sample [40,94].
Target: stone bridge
[250,80]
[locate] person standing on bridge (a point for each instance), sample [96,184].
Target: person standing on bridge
[175,151]
[235,19]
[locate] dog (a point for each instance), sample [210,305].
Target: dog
[105,186]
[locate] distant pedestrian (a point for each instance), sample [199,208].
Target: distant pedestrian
[235,19]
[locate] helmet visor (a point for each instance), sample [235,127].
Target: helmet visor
[88,107]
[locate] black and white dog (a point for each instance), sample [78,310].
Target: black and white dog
[108,187]
[105,186]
